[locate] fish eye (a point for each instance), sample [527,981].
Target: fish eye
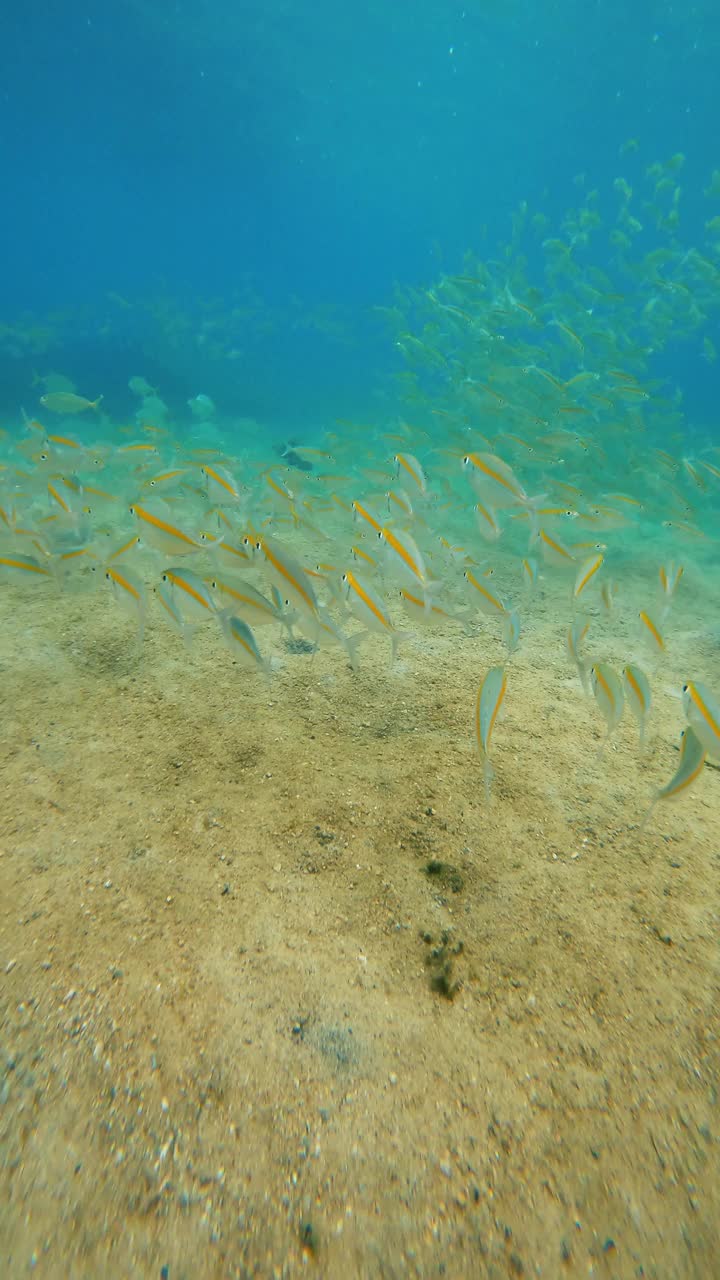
[685,688]
[164,577]
[131,510]
[107,575]
[465,461]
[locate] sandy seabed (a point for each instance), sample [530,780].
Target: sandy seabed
[283,995]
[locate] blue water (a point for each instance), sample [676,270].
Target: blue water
[224,1047]
[310,158]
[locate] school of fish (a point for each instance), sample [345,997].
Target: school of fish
[533,443]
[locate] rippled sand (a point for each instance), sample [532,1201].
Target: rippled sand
[282,994]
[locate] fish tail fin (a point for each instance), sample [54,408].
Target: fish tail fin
[488,775]
[188,634]
[352,644]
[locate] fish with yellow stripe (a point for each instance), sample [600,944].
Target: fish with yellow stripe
[574,640]
[221,488]
[190,593]
[367,607]
[702,711]
[13,564]
[639,696]
[488,705]
[128,590]
[486,600]
[610,697]
[494,481]
[403,558]
[242,643]
[418,609]
[158,529]
[693,754]
[247,603]
[409,467]
[586,573]
[288,575]
[650,629]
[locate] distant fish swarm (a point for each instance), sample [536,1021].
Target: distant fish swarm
[536,453]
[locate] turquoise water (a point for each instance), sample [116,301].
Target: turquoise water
[359,520]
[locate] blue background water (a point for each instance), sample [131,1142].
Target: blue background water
[321,153]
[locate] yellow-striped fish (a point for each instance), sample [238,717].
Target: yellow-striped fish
[416,607]
[692,761]
[485,599]
[400,499]
[281,490]
[702,711]
[190,593]
[225,550]
[409,466]
[609,695]
[511,631]
[165,479]
[669,575]
[554,551]
[22,566]
[608,594]
[369,608]
[651,629]
[586,573]
[359,553]
[170,605]
[129,592]
[493,480]
[487,522]
[221,488]
[247,603]
[361,512]
[131,545]
[403,557]
[639,696]
[287,574]
[241,642]
[158,529]
[530,572]
[574,640]
[490,698]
